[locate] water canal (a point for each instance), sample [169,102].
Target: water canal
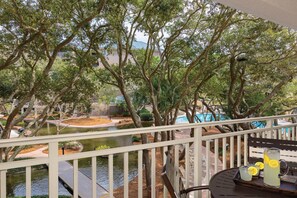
[16,179]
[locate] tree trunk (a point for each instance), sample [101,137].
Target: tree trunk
[137,123]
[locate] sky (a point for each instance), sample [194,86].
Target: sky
[140,36]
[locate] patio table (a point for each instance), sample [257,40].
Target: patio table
[222,185]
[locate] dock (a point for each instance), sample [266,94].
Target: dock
[84,182]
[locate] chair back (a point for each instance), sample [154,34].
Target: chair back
[168,183]
[288,149]
[169,173]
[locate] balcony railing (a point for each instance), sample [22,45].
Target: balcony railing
[204,154]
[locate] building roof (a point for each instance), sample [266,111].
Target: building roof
[282,12]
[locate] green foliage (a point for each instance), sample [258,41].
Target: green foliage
[146,116]
[135,139]
[107,94]
[34,34]
[22,124]
[143,110]
[286,100]
[3,122]
[126,126]
[7,83]
[126,114]
[124,109]
[254,86]
[102,147]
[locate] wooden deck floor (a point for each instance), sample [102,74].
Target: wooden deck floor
[84,182]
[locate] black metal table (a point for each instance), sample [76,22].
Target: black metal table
[222,185]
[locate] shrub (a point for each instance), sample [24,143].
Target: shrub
[126,113]
[135,139]
[22,124]
[3,122]
[146,116]
[143,110]
[102,147]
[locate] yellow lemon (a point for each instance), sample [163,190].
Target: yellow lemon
[252,170]
[273,163]
[266,159]
[260,165]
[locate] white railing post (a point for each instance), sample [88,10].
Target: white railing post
[207,163]
[94,177]
[75,178]
[140,169]
[165,191]
[53,168]
[3,183]
[216,155]
[153,173]
[187,165]
[238,151]
[294,133]
[245,149]
[176,168]
[231,152]
[292,136]
[224,153]
[197,159]
[269,125]
[126,175]
[28,181]
[110,174]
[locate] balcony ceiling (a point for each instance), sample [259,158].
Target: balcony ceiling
[282,12]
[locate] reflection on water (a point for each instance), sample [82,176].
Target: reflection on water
[17,186]
[16,181]
[102,170]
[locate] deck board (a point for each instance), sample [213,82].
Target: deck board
[84,182]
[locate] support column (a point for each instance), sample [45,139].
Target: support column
[53,168]
[198,159]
